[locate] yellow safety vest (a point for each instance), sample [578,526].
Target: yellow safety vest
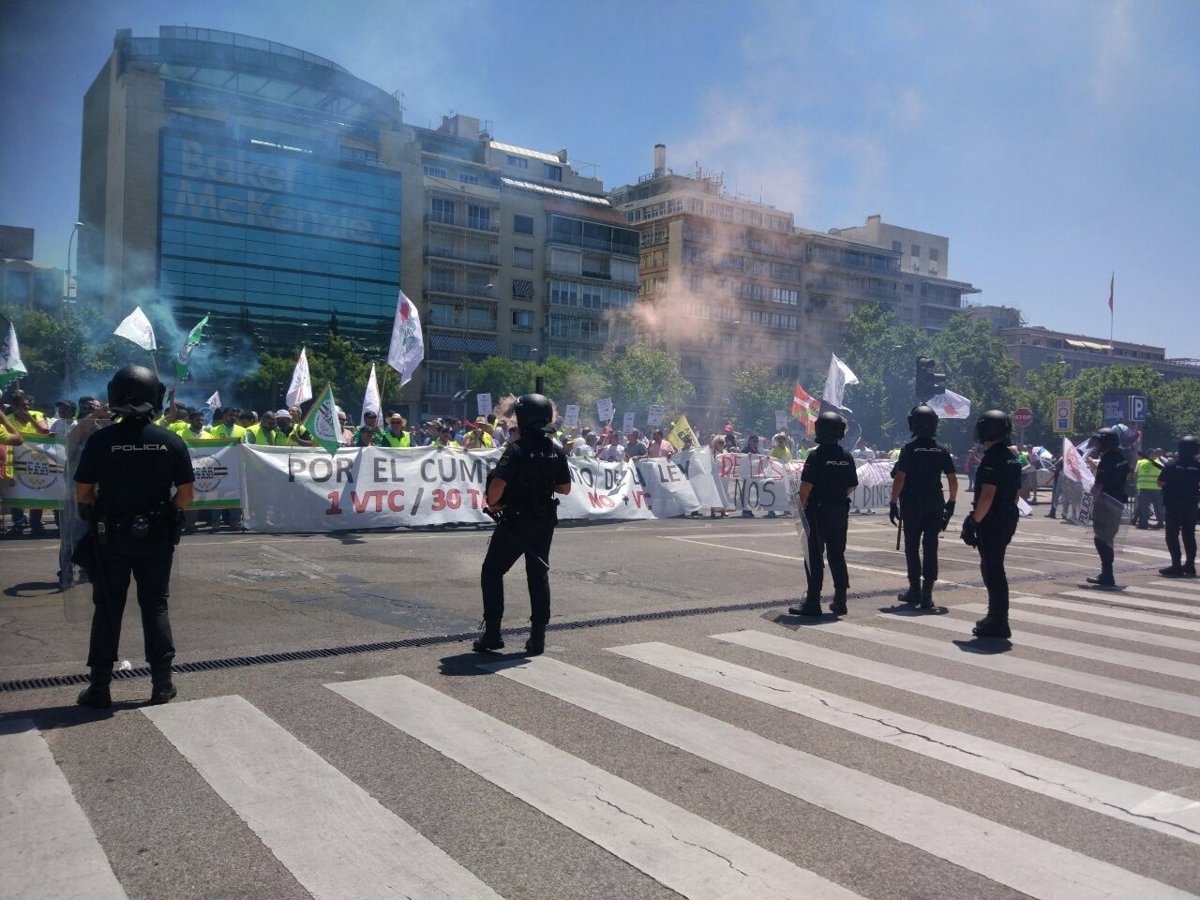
[1147,474]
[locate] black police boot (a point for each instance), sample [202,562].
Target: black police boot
[913,595]
[810,607]
[97,694]
[1102,580]
[490,639]
[1171,571]
[1189,569]
[536,645]
[838,606]
[927,596]
[992,627]
[162,689]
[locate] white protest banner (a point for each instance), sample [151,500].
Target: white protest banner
[671,493]
[604,410]
[781,420]
[483,403]
[627,423]
[754,481]
[604,490]
[217,466]
[874,489]
[571,415]
[654,417]
[39,473]
[698,466]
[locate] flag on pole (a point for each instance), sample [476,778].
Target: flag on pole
[185,352]
[322,421]
[949,405]
[137,328]
[301,387]
[213,403]
[1112,281]
[805,408]
[371,401]
[407,349]
[11,367]
[1074,466]
[840,378]
[678,430]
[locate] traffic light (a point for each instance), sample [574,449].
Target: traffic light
[928,383]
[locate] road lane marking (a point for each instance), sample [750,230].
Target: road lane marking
[1005,855]
[796,559]
[1123,800]
[48,847]
[1026,710]
[1109,655]
[1124,598]
[1165,593]
[335,838]
[677,848]
[1191,645]
[1109,612]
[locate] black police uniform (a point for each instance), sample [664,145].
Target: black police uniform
[831,472]
[999,467]
[1112,475]
[134,464]
[1180,480]
[922,508]
[531,467]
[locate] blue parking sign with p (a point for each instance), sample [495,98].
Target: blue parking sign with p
[1137,408]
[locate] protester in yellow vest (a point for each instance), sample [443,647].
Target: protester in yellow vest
[1149,494]
[195,430]
[10,436]
[396,435]
[265,433]
[228,427]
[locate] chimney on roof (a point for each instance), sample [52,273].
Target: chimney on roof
[562,156]
[660,159]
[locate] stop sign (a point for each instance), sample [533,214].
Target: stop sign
[1023,417]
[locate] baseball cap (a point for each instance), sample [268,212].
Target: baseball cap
[282,414]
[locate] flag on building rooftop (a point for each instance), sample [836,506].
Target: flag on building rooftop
[1112,282]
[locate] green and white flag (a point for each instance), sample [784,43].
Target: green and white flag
[185,352]
[322,421]
[11,367]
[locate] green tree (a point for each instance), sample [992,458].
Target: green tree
[756,397]
[640,376]
[1174,411]
[882,353]
[1042,387]
[73,352]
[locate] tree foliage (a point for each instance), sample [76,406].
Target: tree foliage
[640,376]
[756,397]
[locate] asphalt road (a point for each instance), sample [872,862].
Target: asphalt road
[682,736]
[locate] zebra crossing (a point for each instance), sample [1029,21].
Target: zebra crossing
[881,688]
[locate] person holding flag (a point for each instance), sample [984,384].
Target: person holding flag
[185,352]
[805,408]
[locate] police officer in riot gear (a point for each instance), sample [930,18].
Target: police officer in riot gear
[917,503]
[124,487]
[826,483]
[1180,483]
[992,522]
[521,497]
[1111,493]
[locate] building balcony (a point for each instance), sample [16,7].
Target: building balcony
[460,292]
[488,226]
[460,254]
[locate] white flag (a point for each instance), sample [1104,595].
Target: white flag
[840,378]
[300,389]
[11,367]
[137,328]
[1075,468]
[214,402]
[408,343]
[949,405]
[371,401]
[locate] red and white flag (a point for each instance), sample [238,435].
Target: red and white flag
[949,405]
[805,408]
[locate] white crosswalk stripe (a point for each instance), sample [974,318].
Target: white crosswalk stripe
[1123,658]
[1191,645]
[334,840]
[1108,612]
[1124,598]
[1147,807]
[47,845]
[679,849]
[1174,592]
[330,834]
[1191,585]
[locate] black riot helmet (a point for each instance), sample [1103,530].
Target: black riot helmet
[135,391]
[922,421]
[1189,446]
[831,427]
[1106,439]
[993,425]
[534,413]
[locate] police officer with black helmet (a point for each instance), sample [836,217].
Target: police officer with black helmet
[1180,483]
[123,484]
[826,483]
[918,504]
[521,497]
[1111,493]
[992,522]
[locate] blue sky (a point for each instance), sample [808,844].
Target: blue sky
[1053,142]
